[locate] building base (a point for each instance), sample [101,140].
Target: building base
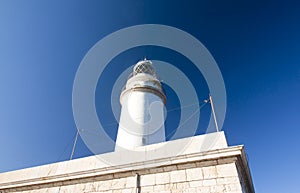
[203,164]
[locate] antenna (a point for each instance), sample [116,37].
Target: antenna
[74,145]
[210,100]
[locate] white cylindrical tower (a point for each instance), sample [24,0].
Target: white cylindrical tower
[142,116]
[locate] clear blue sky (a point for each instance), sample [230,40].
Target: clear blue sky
[256,45]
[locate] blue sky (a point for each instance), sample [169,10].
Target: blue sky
[256,45]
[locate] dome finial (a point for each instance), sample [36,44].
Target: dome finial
[144,66]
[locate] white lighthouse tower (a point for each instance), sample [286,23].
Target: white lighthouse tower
[142,116]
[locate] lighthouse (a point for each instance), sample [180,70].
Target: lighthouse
[142,115]
[149,163]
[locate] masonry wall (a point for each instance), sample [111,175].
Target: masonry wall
[217,176]
[204,164]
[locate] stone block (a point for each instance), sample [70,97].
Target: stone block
[170,186]
[147,189]
[209,182]
[203,189]
[194,174]
[209,172]
[123,174]
[195,184]
[190,190]
[104,177]
[170,168]
[158,188]
[118,183]
[86,180]
[227,170]
[103,185]
[131,182]
[57,184]
[144,172]
[227,180]
[52,190]
[156,170]
[89,187]
[217,188]
[162,178]
[206,163]
[128,190]
[164,191]
[107,191]
[186,166]
[176,191]
[148,180]
[178,176]
[233,187]
[227,160]
[182,186]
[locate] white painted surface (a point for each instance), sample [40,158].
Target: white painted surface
[142,120]
[142,115]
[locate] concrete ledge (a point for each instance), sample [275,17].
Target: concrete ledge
[199,148]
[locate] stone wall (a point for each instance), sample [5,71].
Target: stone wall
[216,171]
[215,176]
